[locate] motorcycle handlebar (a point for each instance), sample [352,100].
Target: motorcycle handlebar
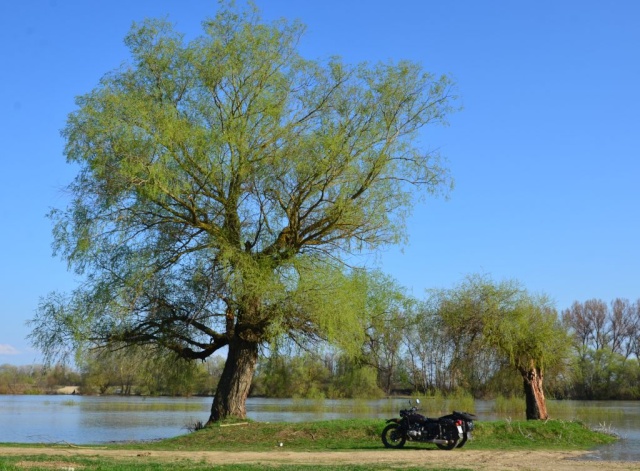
[408,411]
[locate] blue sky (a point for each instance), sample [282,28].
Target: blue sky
[545,152]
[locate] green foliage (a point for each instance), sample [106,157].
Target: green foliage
[222,184]
[310,377]
[127,372]
[141,370]
[602,374]
[390,315]
[606,349]
[504,316]
[492,323]
[35,379]
[297,376]
[355,380]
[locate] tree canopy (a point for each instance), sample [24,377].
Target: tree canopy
[223,182]
[525,328]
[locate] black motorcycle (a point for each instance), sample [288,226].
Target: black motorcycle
[447,432]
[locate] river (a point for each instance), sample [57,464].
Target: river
[92,419]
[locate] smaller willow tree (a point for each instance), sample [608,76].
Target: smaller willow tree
[222,184]
[481,314]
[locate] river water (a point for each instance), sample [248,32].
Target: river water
[92,420]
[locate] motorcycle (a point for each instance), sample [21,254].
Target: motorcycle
[447,432]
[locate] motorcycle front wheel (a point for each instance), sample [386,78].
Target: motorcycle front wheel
[392,437]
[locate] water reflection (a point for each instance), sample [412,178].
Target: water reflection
[89,419]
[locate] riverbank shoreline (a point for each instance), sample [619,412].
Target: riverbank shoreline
[163,424]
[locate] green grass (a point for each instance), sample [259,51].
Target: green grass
[334,435]
[259,436]
[364,434]
[536,434]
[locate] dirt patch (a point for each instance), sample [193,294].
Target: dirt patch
[470,459]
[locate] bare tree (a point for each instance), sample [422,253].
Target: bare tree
[596,314]
[622,326]
[575,318]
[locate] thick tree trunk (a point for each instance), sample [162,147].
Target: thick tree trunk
[233,388]
[534,394]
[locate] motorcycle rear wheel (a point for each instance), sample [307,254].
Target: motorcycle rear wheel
[392,437]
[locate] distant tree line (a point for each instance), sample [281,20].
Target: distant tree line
[122,373]
[606,348]
[479,338]
[416,355]
[35,379]
[140,371]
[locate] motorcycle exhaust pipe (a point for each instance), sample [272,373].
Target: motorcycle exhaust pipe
[438,441]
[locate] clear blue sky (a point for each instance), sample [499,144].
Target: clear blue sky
[545,153]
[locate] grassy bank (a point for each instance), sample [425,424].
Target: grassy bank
[364,434]
[329,436]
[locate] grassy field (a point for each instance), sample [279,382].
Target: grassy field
[327,436]
[365,434]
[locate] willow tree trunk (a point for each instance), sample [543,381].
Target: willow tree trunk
[534,394]
[233,388]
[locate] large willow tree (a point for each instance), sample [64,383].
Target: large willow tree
[222,182]
[481,314]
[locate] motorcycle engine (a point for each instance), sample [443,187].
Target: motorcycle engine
[431,430]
